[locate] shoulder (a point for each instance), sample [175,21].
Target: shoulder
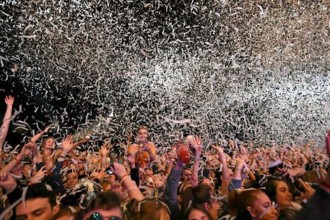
[151,144]
[132,147]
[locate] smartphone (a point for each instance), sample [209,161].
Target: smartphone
[108,171]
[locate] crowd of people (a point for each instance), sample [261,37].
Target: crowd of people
[231,180]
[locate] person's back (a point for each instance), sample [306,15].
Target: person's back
[317,207]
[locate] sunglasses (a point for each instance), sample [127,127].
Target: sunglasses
[98,216]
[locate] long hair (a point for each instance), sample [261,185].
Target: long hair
[240,200]
[147,209]
[270,188]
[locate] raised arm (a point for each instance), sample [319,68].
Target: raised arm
[9,100]
[197,144]
[26,151]
[131,187]
[38,136]
[225,173]
[104,152]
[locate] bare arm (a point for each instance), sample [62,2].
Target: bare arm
[26,151]
[131,187]
[197,143]
[38,136]
[225,171]
[9,100]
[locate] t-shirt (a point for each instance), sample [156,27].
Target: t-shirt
[142,157]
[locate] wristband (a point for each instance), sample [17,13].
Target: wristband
[122,178]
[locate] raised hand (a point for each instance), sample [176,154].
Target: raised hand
[308,190]
[197,144]
[46,129]
[67,144]
[218,149]
[28,148]
[119,170]
[7,182]
[104,151]
[9,100]
[37,178]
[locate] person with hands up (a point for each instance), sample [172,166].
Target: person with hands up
[318,205]
[196,144]
[7,181]
[9,100]
[144,150]
[131,187]
[25,152]
[104,152]
[225,176]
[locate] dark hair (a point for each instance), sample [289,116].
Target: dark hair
[43,143]
[40,190]
[287,214]
[201,194]
[240,200]
[194,207]
[65,210]
[187,197]
[103,200]
[270,188]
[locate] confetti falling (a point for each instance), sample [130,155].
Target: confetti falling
[252,70]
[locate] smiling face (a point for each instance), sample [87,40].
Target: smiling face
[283,196]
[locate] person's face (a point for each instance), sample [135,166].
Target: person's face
[283,195]
[197,215]
[262,208]
[38,208]
[142,135]
[72,180]
[187,174]
[81,166]
[208,182]
[27,170]
[106,214]
[212,174]
[49,147]
[148,173]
